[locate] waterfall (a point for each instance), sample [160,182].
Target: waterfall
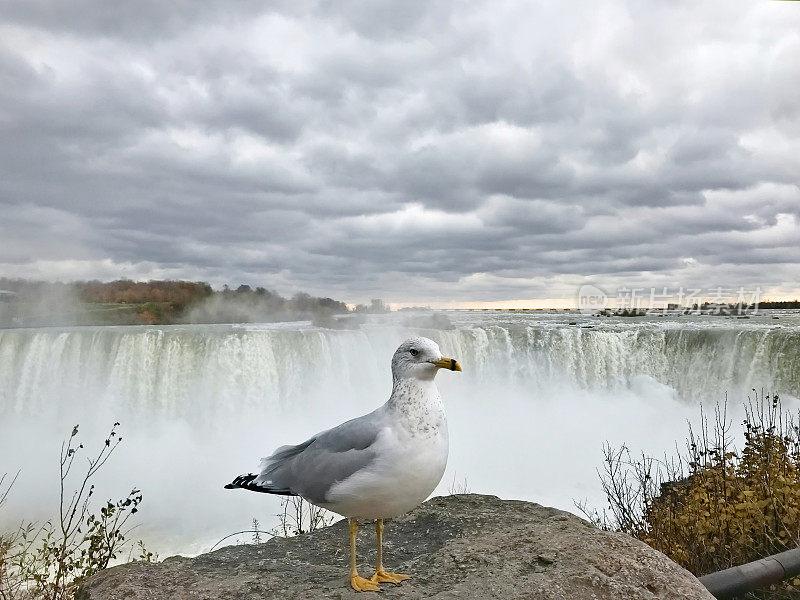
[207,371]
[201,403]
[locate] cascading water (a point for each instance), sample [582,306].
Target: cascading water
[201,403]
[205,372]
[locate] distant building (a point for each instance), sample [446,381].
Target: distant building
[7,295]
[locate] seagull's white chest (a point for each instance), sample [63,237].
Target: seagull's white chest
[412,455]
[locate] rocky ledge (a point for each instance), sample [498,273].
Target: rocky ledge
[464,546]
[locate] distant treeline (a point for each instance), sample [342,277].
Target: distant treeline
[246,305]
[122,291]
[125,302]
[177,293]
[781,304]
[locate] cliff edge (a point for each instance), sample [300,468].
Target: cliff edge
[465,546]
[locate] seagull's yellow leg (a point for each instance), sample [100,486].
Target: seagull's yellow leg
[359,583]
[381,576]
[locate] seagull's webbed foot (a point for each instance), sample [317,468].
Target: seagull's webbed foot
[382,576]
[360,584]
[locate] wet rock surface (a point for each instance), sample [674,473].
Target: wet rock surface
[463,546]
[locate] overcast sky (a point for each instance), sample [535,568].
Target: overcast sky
[420,152]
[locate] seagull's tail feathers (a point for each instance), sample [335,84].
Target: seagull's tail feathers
[250,482]
[273,477]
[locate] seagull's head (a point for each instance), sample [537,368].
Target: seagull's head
[420,358]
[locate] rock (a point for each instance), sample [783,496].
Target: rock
[465,546]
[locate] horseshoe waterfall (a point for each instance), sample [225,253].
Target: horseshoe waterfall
[539,395]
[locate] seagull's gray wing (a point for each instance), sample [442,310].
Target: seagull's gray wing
[310,469]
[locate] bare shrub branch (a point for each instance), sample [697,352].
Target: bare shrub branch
[50,560]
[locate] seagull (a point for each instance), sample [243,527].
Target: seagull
[377,466]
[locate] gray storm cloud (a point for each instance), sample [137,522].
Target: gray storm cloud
[419,151]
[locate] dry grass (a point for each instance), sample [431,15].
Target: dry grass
[298,516]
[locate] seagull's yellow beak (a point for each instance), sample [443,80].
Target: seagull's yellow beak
[448,363]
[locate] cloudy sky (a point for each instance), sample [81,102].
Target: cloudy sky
[422,152]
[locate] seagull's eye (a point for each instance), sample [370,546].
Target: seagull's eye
[414,351]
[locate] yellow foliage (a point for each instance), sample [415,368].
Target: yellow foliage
[716,507]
